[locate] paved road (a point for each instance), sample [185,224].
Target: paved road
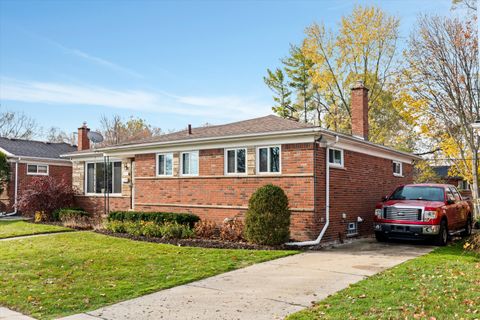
[269,290]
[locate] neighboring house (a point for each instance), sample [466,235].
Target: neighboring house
[212,172]
[29,159]
[443,175]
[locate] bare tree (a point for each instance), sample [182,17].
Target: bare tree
[115,130]
[443,73]
[56,135]
[17,125]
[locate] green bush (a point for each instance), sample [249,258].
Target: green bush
[268,218]
[157,217]
[115,226]
[173,230]
[69,213]
[133,227]
[151,229]
[168,230]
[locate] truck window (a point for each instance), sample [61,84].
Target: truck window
[456,194]
[426,193]
[450,195]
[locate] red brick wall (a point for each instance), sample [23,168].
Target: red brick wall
[56,171]
[355,190]
[96,205]
[214,196]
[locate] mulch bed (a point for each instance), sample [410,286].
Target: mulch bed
[196,242]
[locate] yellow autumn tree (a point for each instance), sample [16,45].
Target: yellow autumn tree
[363,48]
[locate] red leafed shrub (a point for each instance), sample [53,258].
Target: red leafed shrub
[45,194]
[206,229]
[232,230]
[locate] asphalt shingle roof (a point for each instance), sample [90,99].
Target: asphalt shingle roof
[265,124]
[38,149]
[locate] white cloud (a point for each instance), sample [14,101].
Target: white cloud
[220,107]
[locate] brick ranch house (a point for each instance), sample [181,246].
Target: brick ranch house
[212,172]
[28,159]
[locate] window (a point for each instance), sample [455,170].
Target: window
[450,195]
[235,160]
[37,169]
[426,193]
[164,164]
[335,157]
[99,180]
[268,160]
[397,168]
[352,229]
[190,163]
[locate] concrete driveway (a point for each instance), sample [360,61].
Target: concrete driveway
[269,290]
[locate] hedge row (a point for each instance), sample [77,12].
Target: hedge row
[157,217]
[69,213]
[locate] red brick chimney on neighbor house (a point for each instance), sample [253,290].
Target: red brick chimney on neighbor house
[83,141]
[359,110]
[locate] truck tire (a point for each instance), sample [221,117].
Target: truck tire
[442,238]
[381,237]
[468,228]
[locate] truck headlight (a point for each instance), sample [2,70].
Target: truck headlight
[378,213]
[429,215]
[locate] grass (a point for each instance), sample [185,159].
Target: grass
[441,285]
[9,229]
[62,274]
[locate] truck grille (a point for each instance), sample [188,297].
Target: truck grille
[404,214]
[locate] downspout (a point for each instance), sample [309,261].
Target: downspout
[16,193]
[327,201]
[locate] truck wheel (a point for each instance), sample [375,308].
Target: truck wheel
[442,238]
[468,228]
[381,237]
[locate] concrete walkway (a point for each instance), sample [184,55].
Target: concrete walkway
[269,290]
[7,314]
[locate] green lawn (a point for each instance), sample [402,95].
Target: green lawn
[441,285]
[10,229]
[68,273]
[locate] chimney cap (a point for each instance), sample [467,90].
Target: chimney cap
[359,84]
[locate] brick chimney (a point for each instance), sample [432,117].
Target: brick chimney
[359,110]
[83,141]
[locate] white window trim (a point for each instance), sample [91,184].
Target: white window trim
[342,159]
[38,173]
[257,160]
[401,169]
[157,164]
[181,164]
[225,162]
[94,194]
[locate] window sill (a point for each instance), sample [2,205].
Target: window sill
[351,235]
[399,175]
[95,195]
[333,166]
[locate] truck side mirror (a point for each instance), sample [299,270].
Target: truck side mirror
[450,201]
[384,198]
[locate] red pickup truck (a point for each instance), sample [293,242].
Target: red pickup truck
[428,211]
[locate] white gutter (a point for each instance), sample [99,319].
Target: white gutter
[3,214]
[327,201]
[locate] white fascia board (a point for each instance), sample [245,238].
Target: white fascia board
[8,154]
[372,149]
[232,142]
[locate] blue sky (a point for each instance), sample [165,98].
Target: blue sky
[172,63]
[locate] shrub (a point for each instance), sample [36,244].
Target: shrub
[115,226]
[268,218]
[77,222]
[67,213]
[232,230]
[133,227]
[56,214]
[157,217]
[473,243]
[4,171]
[206,229]
[151,229]
[45,194]
[173,230]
